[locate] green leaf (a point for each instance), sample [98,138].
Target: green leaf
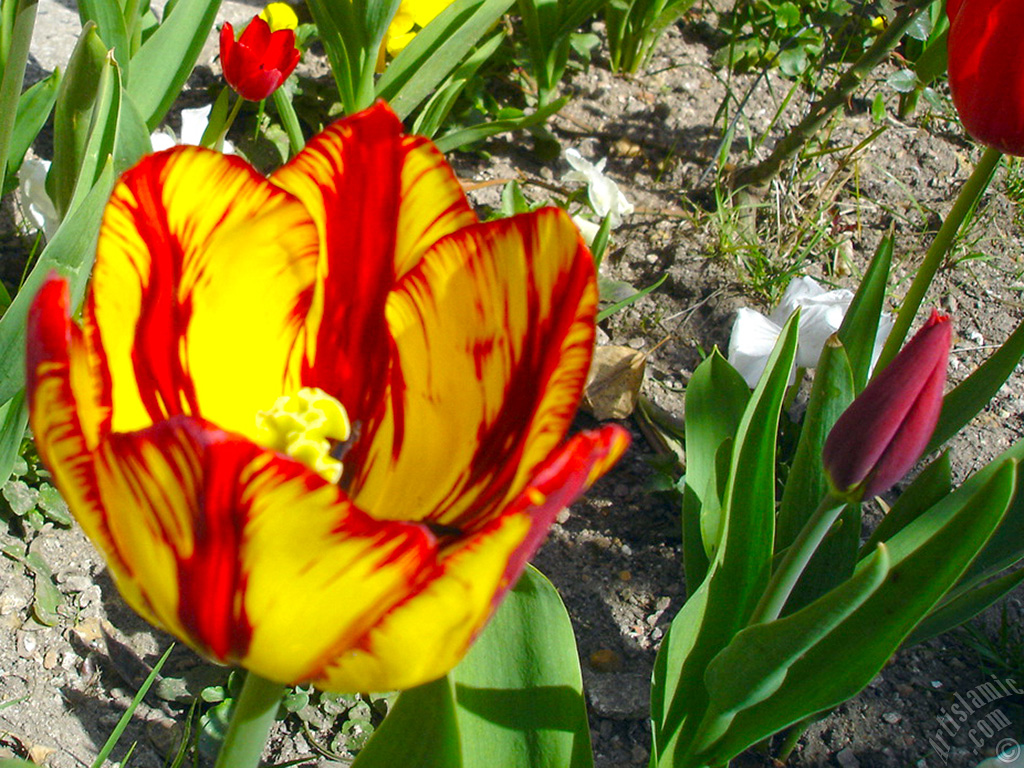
[758,660]
[455,139]
[932,485]
[927,557]
[516,700]
[716,397]
[436,51]
[620,305]
[807,483]
[860,324]
[965,606]
[519,690]
[166,59]
[977,390]
[71,254]
[13,421]
[34,108]
[110,25]
[740,571]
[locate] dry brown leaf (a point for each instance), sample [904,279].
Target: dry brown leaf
[613,383]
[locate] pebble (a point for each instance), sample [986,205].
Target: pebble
[891,717]
[847,759]
[623,696]
[76,583]
[562,517]
[89,595]
[625,575]
[50,660]
[27,644]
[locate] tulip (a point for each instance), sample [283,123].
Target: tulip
[986,71]
[411,16]
[882,434]
[316,423]
[259,61]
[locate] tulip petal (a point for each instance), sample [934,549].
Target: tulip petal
[204,275]
[380,199]
[494,332]
[424,637]
[247,554]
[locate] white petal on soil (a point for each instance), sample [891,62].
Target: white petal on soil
[36,205]
[604,194]
[752,340]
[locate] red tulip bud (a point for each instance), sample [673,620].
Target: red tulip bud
[883,432]
[986,70]
[259,61]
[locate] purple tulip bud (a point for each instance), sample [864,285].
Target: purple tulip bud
[885,429]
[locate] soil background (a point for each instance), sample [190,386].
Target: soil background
[615,556]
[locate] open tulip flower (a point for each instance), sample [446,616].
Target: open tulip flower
[316,423]
[259,62]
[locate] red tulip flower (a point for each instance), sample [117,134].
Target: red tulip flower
[986,70]
[883,432]
[258,62]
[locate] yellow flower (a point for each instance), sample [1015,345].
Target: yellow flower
[279,16]
[316,423]
[412,16]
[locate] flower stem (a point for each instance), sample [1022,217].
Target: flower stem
[966,201]
[795,561]
[255,710]
[235,109]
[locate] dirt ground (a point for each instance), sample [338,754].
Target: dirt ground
[615,556]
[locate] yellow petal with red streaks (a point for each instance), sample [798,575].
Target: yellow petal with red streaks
[424,637]
[204,275]
[251,557]
[59,388]
[380,199]
[494,333]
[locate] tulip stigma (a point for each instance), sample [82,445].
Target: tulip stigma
[306,426]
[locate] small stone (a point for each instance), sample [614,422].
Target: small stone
[51,660]
[663,603]
[627,550]
[847,759]
[76,583]
[89,595]
[625,575]
[27,644]
[562,517]
[605,660]
[37,753]
[622,696]
[891,717]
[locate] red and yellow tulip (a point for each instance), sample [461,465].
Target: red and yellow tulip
[316,423]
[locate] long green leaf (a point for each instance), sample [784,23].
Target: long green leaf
[860,324]
[459,138]
[927,557]
[34,108]
[337,27]
[716,397]
[836,556]
[166,59]
[964,607]
[515,701]
[71,254]
[977,390]
[22,19]
[436,51]
[741,568]
[110,25]
[13,421]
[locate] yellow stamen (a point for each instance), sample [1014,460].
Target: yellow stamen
[279,16]
[304,426]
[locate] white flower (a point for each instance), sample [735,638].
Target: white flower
[821,314]
[36,205]
[605,197]
[587,228]
[193,126]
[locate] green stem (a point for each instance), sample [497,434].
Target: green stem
[255,710]
[966,201]
[289,120]
[14,76]
[795,561]
[223,132]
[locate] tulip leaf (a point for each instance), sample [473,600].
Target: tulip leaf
[110,25]
[71,254]
[836,556]
[977,390]
[163,63]
[515,701]
[458,138]
[34,108]
[336,23]
[860,324]
[436,51]
[758,660]
[933,483]
[716,397]
[421,731]
[519,690]
[13,420]
[927,557]
[739,573]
